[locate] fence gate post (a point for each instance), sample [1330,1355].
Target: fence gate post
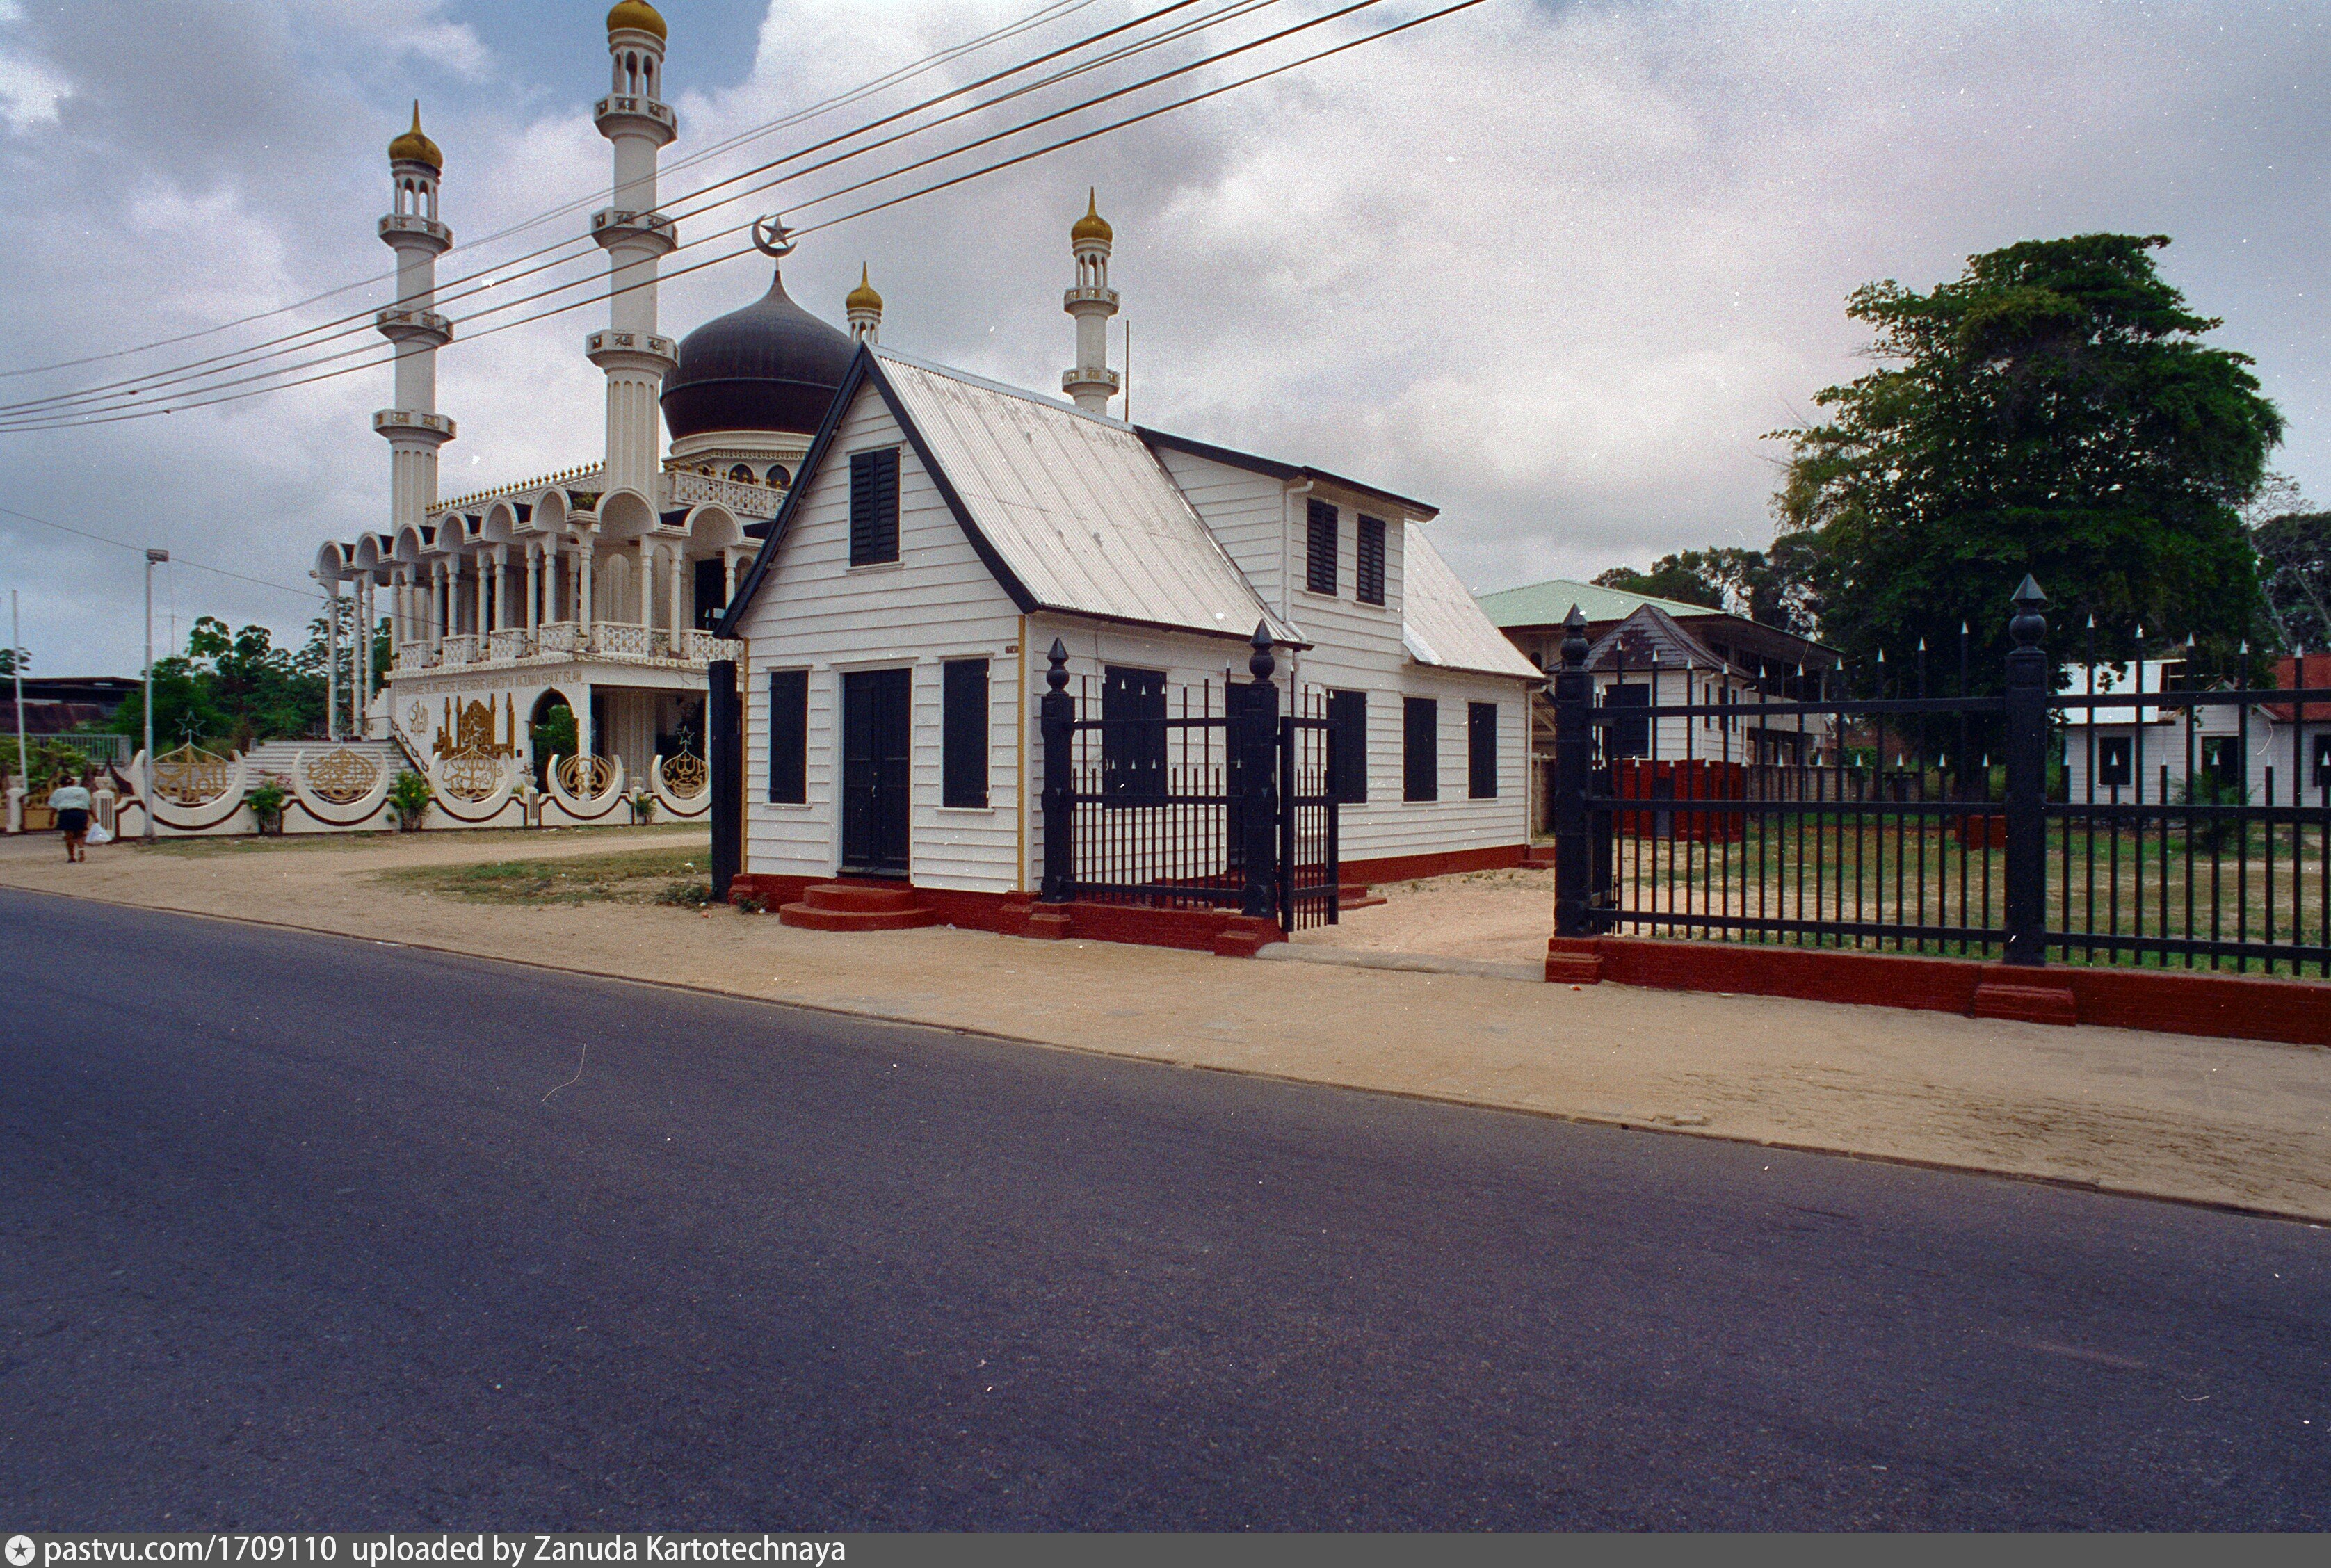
[724,749]
[2028,685]
[1057,712]
[1257,739]
[1574,702]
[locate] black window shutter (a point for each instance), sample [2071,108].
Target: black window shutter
[963,738]
[1419,748]
[1482,750]
[789,737]
[1319,550]
[1133,732]
[1369,566]
[1347,746]
[873,506]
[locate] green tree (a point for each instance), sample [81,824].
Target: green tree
[2294,560]
[1772,586]
[2053,411]
[8,658]
[229,688]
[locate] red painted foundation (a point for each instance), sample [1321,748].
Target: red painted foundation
[2173,1001]
[1217,931]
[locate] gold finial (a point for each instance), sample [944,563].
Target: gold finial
[863,296]
[1092,225]
[636,14]
[413,147]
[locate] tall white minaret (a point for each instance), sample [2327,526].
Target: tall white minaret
[863,307]
[635,237]
[1092,302]
[414,427]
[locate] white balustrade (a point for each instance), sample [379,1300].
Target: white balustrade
[510,642]
[460,650]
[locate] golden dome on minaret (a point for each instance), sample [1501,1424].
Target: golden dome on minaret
[636,14]
[414,147]
[863,296]
[1092,225]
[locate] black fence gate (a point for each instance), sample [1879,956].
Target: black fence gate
[1198,797]
[2158,827]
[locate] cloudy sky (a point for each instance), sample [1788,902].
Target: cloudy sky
[1557,268]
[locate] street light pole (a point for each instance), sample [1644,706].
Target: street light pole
[16,664]
[146,785]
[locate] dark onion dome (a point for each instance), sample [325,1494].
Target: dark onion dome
[772,365]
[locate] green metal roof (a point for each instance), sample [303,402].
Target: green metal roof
[1545,604]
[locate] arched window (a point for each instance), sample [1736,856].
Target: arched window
[631,70]
[742,475]
[647,75]
[778,477]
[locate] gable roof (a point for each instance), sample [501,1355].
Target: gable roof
[1070,511]
[1442,625]
[1651,630]
[1546,603]
[1283,471]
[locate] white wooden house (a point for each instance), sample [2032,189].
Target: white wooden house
[945,531]
[2134,752]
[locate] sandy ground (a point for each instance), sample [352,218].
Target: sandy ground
[2219,1121]
[1499,916]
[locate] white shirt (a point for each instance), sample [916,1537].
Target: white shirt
[68,798]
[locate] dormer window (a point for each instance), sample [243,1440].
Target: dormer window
[1319,550]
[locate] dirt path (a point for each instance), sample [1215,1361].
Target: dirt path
[2221,1121]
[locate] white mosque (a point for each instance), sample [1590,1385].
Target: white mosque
[593,588]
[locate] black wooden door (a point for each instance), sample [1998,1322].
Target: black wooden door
[876,721]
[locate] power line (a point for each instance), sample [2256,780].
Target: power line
[198,401]
[906,72]
[94,400]
[176,559]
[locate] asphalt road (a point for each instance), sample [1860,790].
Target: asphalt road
[301,1232]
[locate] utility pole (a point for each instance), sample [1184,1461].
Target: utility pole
[16,664]
[146,785]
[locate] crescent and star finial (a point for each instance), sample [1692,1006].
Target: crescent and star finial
[772,238]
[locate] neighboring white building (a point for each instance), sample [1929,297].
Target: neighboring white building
[2140,748]
[944,531]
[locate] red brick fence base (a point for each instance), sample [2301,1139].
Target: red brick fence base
[2174,1002]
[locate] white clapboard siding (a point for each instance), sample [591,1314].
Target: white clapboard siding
[1246,511]
[815,612]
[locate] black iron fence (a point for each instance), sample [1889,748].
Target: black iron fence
[1192,797]
[2155,826]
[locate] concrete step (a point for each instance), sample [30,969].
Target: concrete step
[857,907]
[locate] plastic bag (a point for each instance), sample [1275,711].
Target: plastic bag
[98,835]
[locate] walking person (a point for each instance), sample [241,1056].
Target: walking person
[70,800]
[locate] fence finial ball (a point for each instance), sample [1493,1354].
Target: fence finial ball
[1260,664]
[2028,625]
[1057,677]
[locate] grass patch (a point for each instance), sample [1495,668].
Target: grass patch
[681,877]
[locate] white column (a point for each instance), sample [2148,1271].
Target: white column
[501,587]
[485,601]
[533,586]
[441,599]
[332,659]
[678,563]
[728,558]
[647,554]
[583,607]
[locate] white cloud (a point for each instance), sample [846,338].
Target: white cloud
[1557,269]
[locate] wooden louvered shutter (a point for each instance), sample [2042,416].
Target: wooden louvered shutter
[873,506]
[1319,550]
[1368,562]
[1482,750]
[962,727]
[1419,748]
[1347,746]
[789,737]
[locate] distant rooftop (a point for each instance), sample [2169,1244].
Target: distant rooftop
[1546,603]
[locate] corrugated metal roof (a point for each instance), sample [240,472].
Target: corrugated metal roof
[1076,506]
[1546,603]
[1441,622]
[1650,633]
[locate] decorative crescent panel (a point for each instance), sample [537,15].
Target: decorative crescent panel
[342,777]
